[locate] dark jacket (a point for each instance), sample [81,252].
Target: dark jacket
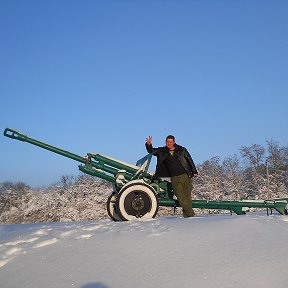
[162,153]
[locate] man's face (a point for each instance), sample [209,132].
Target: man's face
[170,143]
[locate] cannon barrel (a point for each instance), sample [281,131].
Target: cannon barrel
[94,164]
[24,138]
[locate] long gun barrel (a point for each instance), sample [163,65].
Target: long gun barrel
[94,164]
[24,138]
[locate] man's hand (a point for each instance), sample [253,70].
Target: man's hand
[149,140]
[194,174]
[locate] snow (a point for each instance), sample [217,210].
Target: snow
[205,251]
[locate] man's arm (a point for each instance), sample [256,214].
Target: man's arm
[149,146]
[191,163]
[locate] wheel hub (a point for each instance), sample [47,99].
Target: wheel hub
[137,203]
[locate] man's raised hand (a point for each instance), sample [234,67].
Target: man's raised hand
[149,140]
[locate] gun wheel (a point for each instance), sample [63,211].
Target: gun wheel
[137,201]
[111,208]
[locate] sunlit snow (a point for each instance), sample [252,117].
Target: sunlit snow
[205,251]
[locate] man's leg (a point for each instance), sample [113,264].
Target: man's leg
[182,186]
[188,186]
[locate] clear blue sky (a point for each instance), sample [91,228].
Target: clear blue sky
[99,76]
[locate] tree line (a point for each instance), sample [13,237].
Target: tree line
[258,172]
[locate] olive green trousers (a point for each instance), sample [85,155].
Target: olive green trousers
[182,187]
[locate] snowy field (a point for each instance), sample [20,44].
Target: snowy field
[209,251]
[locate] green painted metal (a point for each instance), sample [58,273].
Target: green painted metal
[120,173]
[94,164]
[114,163]
[21,137]
[90,171]
[235,206]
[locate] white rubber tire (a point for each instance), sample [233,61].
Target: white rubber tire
[133,188]
[111,208]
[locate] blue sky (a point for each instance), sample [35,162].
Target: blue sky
[99,76]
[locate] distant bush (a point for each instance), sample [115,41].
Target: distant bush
[84,199]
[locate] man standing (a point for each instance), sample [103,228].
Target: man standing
[175,161]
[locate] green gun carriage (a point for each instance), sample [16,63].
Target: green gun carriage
[137,194]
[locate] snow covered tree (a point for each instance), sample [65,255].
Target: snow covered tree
[233,179]
[85,199]
[254,178]
[276,168]
[209,183]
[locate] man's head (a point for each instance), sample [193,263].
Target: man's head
[170,142]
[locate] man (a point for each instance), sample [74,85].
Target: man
[175,161]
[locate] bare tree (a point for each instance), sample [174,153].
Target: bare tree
[234,183]
[253,154]
[277,166]
[209,184]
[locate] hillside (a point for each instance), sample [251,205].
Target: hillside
[205,251]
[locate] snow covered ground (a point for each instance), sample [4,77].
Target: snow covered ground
[205,251]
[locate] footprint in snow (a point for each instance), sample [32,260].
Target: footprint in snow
[45,243]
[21,241]
[85,236]
[92,228]
[42,232]
[13,251]
[9,255]
[67,233]
[5,261]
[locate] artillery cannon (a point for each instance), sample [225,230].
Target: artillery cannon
[137,194]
